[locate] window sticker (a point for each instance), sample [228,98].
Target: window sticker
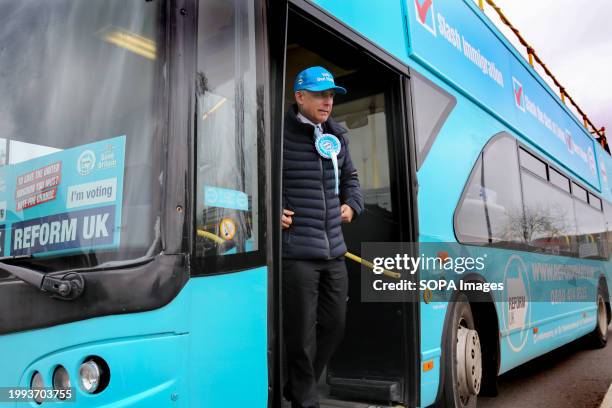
[227,228]
[64,202]
[225,198]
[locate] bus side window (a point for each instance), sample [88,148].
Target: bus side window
[608,218]
[591,231]
[490,209]
[537,211]
[549,216]
[432,106]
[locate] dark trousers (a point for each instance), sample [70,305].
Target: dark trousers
[314,309]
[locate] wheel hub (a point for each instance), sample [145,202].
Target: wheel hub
[469,362]
[602,319]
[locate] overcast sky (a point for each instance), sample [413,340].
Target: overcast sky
[574,39]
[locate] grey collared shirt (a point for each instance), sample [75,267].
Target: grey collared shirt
[304,119]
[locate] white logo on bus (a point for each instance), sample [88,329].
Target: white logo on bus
[515,308]
[86,162]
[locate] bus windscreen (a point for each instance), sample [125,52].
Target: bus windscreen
[79,141]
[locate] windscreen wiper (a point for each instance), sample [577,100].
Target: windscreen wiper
[67,286]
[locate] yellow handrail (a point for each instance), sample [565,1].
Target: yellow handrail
[362,261]
[205,234]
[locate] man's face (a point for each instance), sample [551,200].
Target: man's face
[315,106]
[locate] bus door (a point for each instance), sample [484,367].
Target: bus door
[377,360]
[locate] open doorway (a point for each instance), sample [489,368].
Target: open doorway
[372,364]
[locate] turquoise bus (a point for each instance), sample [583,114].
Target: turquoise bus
[140,180]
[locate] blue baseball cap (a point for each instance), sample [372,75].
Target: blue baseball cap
[316,79]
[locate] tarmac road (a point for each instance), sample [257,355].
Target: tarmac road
[570,377]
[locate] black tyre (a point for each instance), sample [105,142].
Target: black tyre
[462,358]
[599,337]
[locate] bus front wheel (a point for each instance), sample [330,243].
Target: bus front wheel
[463,358]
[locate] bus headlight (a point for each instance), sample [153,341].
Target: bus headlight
[89,376]
[37,383]
[61,380]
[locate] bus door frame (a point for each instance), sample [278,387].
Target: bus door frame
[404,140]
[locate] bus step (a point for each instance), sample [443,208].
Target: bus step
[364,389]
[329,403]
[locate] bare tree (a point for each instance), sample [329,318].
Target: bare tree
[536,223]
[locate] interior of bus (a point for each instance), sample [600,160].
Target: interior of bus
[373,364]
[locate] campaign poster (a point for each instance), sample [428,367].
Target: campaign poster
[68,201]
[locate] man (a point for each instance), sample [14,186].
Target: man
[320,191]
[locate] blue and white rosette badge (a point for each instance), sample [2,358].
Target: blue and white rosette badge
[328,147]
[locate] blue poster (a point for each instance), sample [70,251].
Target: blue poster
[63,202]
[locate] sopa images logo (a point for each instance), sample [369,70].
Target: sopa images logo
[519,95]
[425,15]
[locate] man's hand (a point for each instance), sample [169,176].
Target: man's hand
[286,219]
[347,213]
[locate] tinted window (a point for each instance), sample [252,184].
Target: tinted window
[595,201]
[608,215]
[608,218]
[579,192]
[559,179]
[470,218]
[591,234]
[431,107]
[533,164]
[548,221]
[491,207]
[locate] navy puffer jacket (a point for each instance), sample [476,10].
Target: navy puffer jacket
[309,191]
